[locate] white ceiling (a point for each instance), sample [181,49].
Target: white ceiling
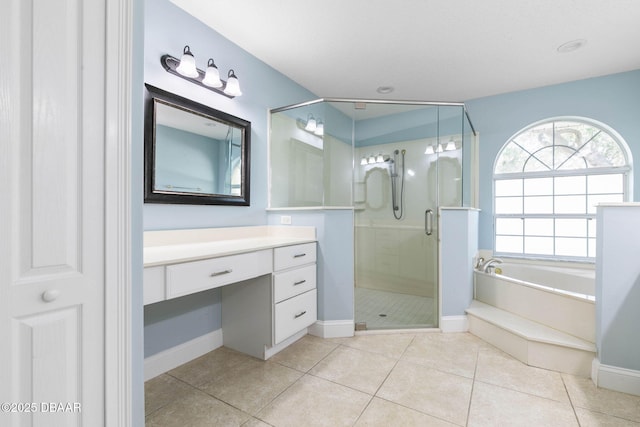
[434,50]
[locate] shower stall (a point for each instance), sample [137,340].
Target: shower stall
[394,163]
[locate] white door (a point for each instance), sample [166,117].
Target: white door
[52,212]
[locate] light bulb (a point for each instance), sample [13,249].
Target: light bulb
[451,145]
[319,129]
[311,124]
[364,161]
[372,159]
[233,85]
[429,150]
[187,66]
[212,76]
[379,158]
[439,148]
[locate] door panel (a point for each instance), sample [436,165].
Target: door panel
[52,142]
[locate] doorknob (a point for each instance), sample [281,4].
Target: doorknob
[50,295]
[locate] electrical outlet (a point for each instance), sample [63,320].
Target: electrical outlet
[285,219]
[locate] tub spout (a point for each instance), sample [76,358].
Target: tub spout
[489,264]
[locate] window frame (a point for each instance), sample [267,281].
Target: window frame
[627,189]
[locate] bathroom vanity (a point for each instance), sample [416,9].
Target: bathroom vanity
[267,276]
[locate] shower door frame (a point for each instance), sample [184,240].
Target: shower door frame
[473,189]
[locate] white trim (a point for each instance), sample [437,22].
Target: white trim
[454,324]
[173,357]
[333,328]
[615,378]
[268,352]
[118,344]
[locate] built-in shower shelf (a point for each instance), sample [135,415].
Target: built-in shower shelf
[531,342]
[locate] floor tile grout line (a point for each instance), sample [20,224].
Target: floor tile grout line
[292,384]
[573,408]
[473,386]
[196,388]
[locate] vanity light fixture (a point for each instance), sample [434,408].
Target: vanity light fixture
[186,68]
[451,145]
[233,85]
[212,76]
[311,123]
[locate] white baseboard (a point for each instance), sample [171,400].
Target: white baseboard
[175,356]
[333,328]
[615,378]
[454,323]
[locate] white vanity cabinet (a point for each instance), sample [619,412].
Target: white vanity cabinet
[267,282]
[294,289]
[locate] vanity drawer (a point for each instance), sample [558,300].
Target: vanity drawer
[190,277]
[295,314]
[293,256]
[293,282]
[153,289]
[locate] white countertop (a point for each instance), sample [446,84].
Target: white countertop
[174,246]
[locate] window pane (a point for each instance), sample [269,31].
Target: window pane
[538,245]
[603,151]
[571,247]
[592,227]
[511,159]
[542,161]
[509,226]
[570,204]
[510,244]
[570,185]
[508,205]
[592,247]
[571,227]
[538,205]
[509,187]
[605,183]
[565,158]
[593,201]
[536,137]
[538,227]
[538,186]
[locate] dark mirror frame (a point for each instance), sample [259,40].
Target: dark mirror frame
[154,196]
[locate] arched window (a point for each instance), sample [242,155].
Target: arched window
[548,179]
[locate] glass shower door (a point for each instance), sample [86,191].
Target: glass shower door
[396,205]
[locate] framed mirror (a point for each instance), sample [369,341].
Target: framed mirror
[194,154]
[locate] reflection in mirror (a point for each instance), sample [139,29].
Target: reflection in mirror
[194,154]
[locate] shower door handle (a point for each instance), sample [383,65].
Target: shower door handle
[428,222]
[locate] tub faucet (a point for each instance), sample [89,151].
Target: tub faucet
[479,263]
[490,263]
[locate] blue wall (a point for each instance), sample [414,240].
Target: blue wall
[167,30]
[613,100]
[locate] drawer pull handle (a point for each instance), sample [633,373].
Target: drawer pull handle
[299,282]
[302,313]
[220,273]
[299,255]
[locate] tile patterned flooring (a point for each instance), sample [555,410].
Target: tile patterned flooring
[410,379]
[400,310]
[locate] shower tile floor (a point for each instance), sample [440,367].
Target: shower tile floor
[386,380]
[390,310]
